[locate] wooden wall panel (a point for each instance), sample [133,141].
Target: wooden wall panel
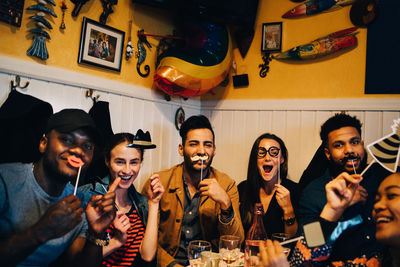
[235,129]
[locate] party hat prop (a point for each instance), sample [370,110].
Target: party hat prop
[386,151]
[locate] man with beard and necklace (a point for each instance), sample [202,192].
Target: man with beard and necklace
[344,149]
[200,202]
[42,221]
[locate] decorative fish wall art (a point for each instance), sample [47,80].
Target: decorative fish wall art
[322,46]
[313,7]
[38,48]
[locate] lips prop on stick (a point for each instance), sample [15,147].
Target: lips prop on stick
[76,163]
[202,158]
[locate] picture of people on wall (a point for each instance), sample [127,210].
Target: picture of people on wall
[271,37]
[102,45]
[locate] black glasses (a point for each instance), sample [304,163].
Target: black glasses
[273,151]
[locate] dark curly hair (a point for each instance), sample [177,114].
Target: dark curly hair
[338,121]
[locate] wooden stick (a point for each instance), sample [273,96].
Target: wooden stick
[77,180]
[367,167]
[291,240]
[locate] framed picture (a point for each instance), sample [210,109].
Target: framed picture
[271,37]
[101,45]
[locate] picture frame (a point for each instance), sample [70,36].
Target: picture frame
[101,45]
[271,40]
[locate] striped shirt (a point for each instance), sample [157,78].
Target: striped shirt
[129,252]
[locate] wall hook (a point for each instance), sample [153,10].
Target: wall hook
[13,86]
[89,93]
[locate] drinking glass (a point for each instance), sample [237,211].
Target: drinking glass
[229,248]
[280,237]
[252,255]
[194,251]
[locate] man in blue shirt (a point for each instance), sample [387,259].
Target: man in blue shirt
[42,221]
[345,152]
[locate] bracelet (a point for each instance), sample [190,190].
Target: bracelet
[99,239]
[289,221]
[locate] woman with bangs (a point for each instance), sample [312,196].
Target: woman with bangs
[267,183]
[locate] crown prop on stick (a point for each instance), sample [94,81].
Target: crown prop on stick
[386,151]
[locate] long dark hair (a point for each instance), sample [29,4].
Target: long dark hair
[254,179]
[117,139]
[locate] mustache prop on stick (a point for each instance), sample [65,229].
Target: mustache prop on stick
[202,158]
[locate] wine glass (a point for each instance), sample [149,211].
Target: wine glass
[195,248]
[280,237]
[229,248]
[252,257]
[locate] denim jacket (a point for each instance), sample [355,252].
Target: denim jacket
[138,200]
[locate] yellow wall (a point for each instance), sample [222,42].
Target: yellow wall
[341,76]
[338,77]
[63,47]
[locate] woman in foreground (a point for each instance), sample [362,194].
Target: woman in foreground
[134,231]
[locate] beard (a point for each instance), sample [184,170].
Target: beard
[338,167]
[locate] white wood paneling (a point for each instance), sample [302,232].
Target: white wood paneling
[237,123]
[127,114]
[298,129]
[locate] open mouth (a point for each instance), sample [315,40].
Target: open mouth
[381,220]
[267,168]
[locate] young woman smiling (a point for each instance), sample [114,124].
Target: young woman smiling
[134,231]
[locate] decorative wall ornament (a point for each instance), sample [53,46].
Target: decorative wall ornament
[107,9]
[38,48]
[313,7]
[129,47]
[271,42]
[141,53]
[265,66]
[179,118]
[63,9]
[11,11]
[78,6]
[101,45]
[322,46]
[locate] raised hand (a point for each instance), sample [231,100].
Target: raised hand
[60,218]
[100,211]
[211,188]
[156,189]
[340,193]
[283,198]
[361,195]
[121,224]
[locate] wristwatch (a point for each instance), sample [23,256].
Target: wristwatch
[289,221]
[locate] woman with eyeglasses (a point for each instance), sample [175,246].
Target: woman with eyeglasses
[267,183]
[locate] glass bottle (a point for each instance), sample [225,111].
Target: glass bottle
[257,230]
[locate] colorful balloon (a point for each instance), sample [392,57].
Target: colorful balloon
[199,66]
